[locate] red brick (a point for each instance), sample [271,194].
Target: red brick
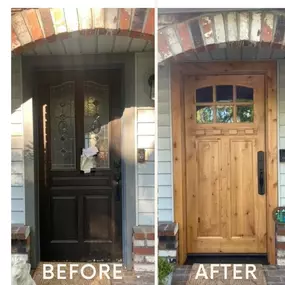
[163,47]
[143,250]
[149,26]
[167,229]
[15,41]
[19,232]
[184,35]
[280,232]
[125,33]
[280,245]
[150,236]
[139,236]
[266,33]
[125,19]
[47,23]
[33,24]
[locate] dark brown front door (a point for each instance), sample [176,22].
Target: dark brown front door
[80,213]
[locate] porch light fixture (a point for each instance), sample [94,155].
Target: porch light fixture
[151,86]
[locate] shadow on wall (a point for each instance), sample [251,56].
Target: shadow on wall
[96,116]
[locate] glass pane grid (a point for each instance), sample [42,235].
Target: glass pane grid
[219,110]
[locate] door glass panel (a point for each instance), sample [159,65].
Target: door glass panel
[244,94]
[204,95]
[224,114]
[224,93]
[96,121]
[204,114]
[62,126]
[245,114]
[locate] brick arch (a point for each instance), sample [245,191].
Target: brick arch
[219,30]
[34,25]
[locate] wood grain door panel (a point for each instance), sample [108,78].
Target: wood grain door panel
[225,213]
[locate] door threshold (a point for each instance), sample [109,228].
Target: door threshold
[227,258]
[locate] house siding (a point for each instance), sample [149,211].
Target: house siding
[17,145]
[145,130]
[281,122]
[165,179]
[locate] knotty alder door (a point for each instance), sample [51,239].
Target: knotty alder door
[80,213]
[225,175]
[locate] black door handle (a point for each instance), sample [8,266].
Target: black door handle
[260,173]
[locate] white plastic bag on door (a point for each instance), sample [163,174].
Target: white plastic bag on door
[87,160]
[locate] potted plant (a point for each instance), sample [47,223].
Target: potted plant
[165,271]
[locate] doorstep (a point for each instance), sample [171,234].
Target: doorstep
[274,274]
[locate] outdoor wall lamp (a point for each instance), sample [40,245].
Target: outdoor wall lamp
[151,86]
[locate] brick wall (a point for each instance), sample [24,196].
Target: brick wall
[20,241]
[168,241]
[280,244]
[143,248]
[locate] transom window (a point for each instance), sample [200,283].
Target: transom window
[224,104]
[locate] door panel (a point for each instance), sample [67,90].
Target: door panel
[208,173]
[243,188]
[224,130]
[81,212]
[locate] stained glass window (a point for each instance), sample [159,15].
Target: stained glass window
[96,121]
[62,126]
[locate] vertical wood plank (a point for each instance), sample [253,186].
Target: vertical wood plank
[178,159]
[272,183]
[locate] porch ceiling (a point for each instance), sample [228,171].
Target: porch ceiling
[68,31]
[80,44]
[232,54]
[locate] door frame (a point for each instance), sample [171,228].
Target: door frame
[74,63]
[178,71]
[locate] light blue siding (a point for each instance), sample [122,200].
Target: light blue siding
[165,179]
[17,145]
[281,120]
[145,132]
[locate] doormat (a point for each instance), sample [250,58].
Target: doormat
[233,274]
[77,278]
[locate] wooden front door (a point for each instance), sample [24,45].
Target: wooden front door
[225,175]
[80,212]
